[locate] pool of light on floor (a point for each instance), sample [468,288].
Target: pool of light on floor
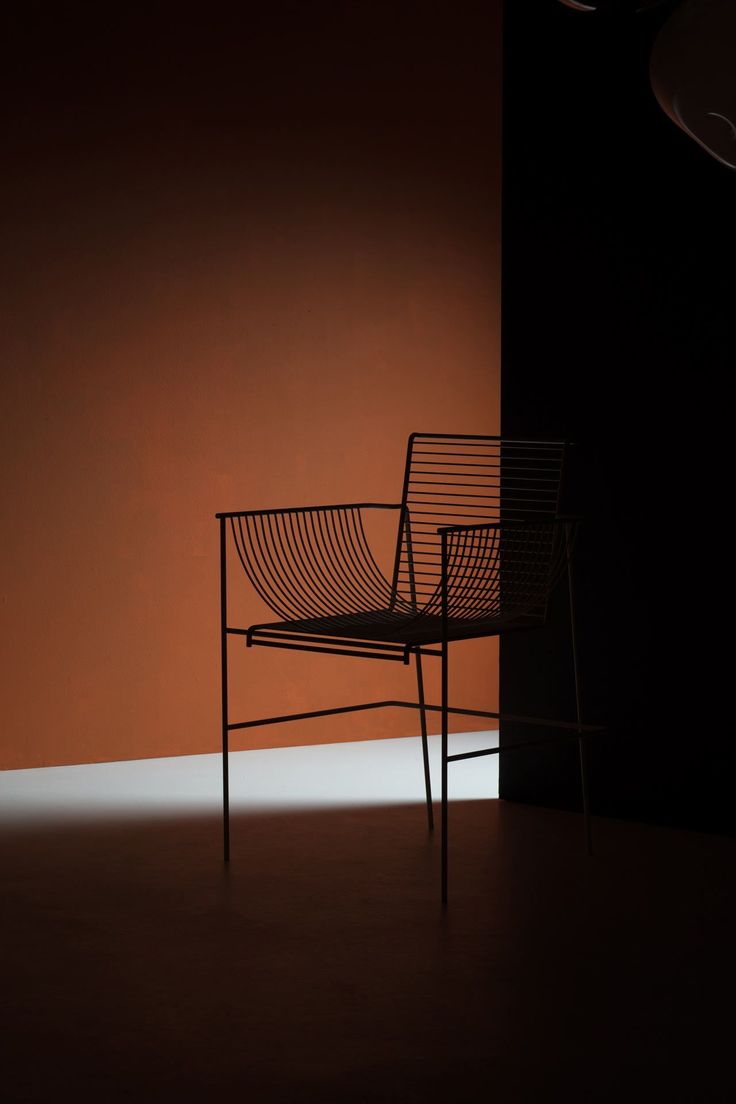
[322,776]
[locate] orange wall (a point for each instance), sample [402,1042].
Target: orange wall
[240,270]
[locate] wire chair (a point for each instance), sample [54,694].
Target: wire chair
[480,546]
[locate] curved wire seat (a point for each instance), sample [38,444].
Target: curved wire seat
[480,545]
[316,570]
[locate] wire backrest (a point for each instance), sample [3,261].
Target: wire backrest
[456,479]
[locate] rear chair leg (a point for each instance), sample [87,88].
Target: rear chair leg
[582,746]
[583,749]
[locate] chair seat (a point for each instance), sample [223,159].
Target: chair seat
[397,627]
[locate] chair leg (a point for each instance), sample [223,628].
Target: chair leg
[583,749]
[582,746]
[223,660]
[425,746]
[225,799]
[444,772]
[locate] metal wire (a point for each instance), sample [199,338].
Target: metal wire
[496,501]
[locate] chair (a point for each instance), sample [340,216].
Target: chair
[480,545]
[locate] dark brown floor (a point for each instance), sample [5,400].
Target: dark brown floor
[321,968]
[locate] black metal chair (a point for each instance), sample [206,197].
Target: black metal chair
[480,545]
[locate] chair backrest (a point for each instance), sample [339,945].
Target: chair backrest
[458,479]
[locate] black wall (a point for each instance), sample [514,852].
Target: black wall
[619,245]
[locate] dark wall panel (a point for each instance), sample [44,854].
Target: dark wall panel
[619,235]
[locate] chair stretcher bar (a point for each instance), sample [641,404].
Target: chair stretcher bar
[567,727]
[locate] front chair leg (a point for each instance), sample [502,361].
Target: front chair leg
[223,663]
[444,772]
[225,800]
[425,746]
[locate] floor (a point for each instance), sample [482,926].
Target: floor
[320,966]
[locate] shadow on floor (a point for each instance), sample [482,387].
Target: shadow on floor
[320,966]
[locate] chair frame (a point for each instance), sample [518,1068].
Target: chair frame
[385,650]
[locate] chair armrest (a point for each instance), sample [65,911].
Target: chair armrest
[500,569]
[310,509]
